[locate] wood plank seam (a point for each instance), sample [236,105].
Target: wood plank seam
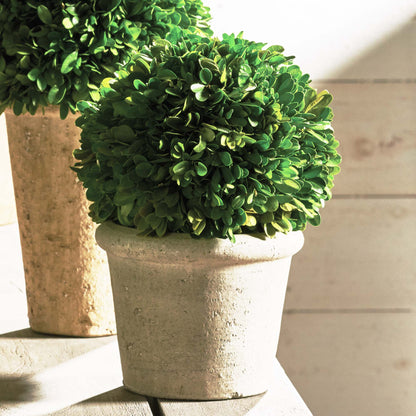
[374,196]
[365,81]
[349,311]
[155,406]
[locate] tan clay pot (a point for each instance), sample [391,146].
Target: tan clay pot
[197,319]
[67,280]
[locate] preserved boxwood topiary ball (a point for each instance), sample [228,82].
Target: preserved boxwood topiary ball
[57,52]
[208,137]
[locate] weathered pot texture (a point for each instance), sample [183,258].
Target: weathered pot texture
[197,318]
[67,278]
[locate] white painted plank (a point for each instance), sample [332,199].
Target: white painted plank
[352,364]
[374,123]
[7,204]
[281,399]
[117,402]
[362,256]
[13,307]
[42,374]
[26,353]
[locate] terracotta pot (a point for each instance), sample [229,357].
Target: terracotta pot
[197,319]
[67,279]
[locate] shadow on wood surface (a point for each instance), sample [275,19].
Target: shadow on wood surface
[17,389]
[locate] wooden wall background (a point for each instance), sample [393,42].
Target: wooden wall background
[348,339]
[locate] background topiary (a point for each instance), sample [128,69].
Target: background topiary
[208,137]
[57,52]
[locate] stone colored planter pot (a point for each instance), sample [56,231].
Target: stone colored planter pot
[67,279]
[197,319]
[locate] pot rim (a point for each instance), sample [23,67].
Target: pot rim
[48,111]
[122,241]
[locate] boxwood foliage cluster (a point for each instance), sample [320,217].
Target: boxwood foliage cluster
[57,52]
[208,137]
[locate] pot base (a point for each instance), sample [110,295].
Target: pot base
[206,384]
[202,397]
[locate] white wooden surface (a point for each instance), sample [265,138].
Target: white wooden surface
[352,364]
[43,374]
[116,402]
[374,123]
[361,257]
[13,307]
[7,205]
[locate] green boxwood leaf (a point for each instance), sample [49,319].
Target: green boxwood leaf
[316,136]
[69,62]
[238,202]
[56,94]
[33,74]
[272,204]
[200,96]
[67,23]
[244,74]
[209,64]
[197,88]
[63,111]
[85,105]
[123,133]
[44,14]
[226,158]
[199,227]
[216,201]
[288,186]
[167,74]
[141,67]
[161,228]
[41,83]
[200,147]
[277,60]
[316,220]
[250,221]
[207,134]
[275,48]
[201,169]
[144,169]
[181,167]
[205,75]
[17,108]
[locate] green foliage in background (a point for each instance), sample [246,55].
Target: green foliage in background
[57,52]
[208,137]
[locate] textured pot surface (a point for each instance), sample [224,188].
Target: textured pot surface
[197,319]
[67,279]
